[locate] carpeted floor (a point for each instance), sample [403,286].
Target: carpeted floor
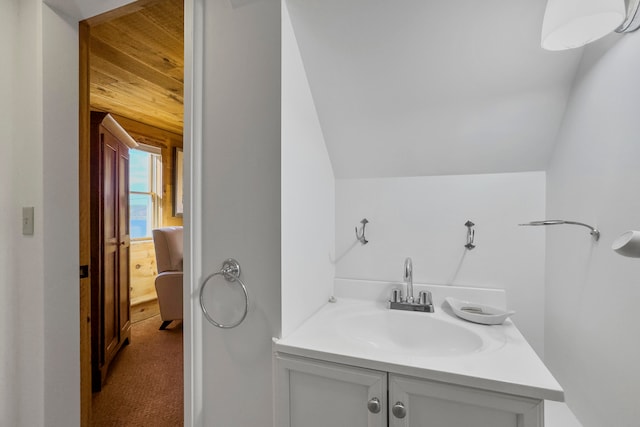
[144,386]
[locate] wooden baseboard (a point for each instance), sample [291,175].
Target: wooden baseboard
[144,310]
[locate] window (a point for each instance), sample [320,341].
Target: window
[145,191]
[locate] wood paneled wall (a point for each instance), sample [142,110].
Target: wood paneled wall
[143,272]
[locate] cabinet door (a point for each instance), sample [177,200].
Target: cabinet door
[427,403]
[311,393]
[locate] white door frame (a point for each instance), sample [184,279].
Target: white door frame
[193,90]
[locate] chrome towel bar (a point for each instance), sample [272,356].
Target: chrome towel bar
[592,230]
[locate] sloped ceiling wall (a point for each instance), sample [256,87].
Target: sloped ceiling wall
[433,87]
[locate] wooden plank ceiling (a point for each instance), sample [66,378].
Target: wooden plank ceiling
[137,65]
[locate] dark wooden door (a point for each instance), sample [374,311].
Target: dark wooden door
[110,246]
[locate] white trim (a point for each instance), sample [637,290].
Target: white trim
[118,131]
[192,148]
[149,149]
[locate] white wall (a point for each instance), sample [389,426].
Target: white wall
[28,191]
[8,218]
[241,203]
[308,194]
[592,295]
[60,218]
[423,218]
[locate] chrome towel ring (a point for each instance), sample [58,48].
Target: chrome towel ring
[231,272]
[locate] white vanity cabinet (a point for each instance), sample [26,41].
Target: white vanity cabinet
[314,393]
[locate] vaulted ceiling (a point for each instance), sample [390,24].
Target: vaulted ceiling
[137,65]
[430,87]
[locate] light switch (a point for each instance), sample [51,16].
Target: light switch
[27,221]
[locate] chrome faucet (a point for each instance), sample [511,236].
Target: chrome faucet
[424,303]
[408,277]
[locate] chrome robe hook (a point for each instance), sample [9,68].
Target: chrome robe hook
[360,236]
[471,235]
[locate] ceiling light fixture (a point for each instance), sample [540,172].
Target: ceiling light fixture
[570,24]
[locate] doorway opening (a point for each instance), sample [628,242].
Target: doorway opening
[131,69]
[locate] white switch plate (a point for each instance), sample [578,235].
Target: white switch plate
[27,221]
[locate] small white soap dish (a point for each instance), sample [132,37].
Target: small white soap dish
[478,313]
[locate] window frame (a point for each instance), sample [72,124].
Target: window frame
[155,188]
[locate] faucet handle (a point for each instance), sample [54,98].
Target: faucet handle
[396,295]
[424,298]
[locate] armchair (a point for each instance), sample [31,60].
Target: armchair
[169,252]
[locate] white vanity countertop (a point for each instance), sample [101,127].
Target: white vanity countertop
[436,346]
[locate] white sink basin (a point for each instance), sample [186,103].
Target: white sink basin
[402,331]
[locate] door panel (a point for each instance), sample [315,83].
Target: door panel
[236,194]
[110,244]
[312,393]
[446,405]
[124,240]
[317,401]
[440,412]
